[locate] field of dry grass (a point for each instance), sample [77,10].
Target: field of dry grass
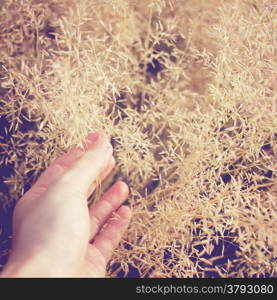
[187,91]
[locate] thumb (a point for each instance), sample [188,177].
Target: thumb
[89,166]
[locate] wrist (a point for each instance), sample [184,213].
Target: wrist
[37,266]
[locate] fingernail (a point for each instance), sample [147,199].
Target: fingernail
[124,187]
[91,139]
[94,137]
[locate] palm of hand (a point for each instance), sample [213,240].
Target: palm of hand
[53,224]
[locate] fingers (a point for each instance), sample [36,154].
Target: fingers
[103,175]
[109,202]
[79,176]
[110,237]
[58,166]
[65,162]
[53,173]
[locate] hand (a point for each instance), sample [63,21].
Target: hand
[55,234]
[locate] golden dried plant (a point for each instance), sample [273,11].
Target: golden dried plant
[187,91]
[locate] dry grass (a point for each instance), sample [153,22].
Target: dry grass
[186,89]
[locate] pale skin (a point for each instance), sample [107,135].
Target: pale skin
[55,234]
